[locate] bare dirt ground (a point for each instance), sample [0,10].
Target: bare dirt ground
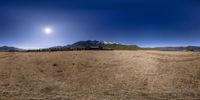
[100,75]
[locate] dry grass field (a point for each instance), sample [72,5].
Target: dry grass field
[100,75]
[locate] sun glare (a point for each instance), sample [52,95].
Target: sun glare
[47,30]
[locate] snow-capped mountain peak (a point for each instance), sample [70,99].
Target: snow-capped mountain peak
[106,42]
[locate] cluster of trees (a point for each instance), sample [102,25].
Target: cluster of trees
[122,47]
[49,49]
[96,47]
[70,49]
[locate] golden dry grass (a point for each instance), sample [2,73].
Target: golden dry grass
[100,75]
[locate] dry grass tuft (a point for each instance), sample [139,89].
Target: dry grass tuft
[55,64]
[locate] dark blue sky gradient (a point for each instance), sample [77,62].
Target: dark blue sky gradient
[146,23]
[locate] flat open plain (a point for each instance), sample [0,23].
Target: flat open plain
[100,75]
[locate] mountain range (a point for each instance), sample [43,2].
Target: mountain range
[102,45]
[187,48]
[7,48]
[95,45]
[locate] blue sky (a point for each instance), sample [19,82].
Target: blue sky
[147,23]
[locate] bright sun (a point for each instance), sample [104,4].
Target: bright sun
[47,30]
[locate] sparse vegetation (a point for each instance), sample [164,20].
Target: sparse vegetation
[122,47]
[55,64]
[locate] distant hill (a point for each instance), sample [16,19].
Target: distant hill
[7,48]
[188,48]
